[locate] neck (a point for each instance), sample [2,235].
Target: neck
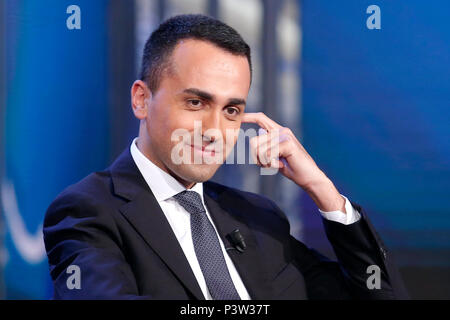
[142,145]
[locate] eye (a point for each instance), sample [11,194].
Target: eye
[194,103]
[232,111]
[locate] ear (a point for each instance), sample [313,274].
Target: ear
[140,95]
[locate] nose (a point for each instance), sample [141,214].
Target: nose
[211,123]
[211,120]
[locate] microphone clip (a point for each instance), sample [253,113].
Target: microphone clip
[237,240]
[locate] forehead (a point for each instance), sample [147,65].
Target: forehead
[201,64]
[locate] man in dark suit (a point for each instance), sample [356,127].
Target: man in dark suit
[152,226]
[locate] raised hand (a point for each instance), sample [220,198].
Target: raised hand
[279,148]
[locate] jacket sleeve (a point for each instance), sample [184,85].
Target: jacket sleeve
[357,246]
[79,232]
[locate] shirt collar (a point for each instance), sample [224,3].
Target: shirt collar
[162,184]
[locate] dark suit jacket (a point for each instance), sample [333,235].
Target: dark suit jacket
[111,226]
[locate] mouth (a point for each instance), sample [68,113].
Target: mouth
[204,150]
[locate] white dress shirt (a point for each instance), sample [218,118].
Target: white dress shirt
[164,187]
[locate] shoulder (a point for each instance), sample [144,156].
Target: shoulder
[82,198]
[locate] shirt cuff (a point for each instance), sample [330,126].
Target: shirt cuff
[350,217]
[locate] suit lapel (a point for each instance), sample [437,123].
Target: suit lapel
[144,213]
[249,263]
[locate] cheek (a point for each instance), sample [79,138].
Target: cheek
[165,118]
[181,119]
[157,116]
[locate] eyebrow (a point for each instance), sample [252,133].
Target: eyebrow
[210,97]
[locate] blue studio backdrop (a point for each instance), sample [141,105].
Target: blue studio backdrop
[375,110]
[376,116]
[56,125]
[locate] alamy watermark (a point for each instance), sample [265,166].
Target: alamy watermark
[374,20]
[374,280]
[74,280]
[74,20]
[211,147]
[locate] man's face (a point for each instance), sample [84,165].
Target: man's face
[206,85]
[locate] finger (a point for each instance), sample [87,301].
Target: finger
[283,149]
[261,143]
[276,164]
[267,150]
[266,145]
[254,150]
[258,146]
[261,119]
[278,152]
[263,146]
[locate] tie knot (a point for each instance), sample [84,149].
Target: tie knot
[191,201]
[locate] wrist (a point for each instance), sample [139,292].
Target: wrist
[325,195]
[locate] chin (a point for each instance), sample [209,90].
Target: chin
[195,173]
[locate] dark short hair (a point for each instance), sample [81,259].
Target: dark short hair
[163,40]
